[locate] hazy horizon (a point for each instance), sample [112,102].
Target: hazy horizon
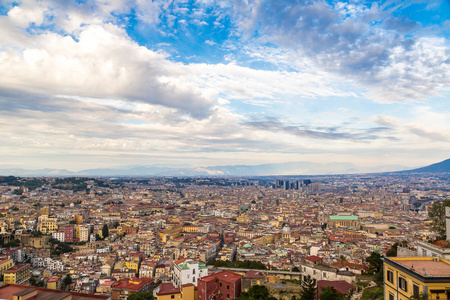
[97,84]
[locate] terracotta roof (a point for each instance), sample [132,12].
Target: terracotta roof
[134,284]
[341,286]
[223,275]
[313,258]
[167,289]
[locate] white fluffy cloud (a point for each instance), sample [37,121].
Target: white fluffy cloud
[74,73]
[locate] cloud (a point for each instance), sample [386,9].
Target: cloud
[428,134]
[211,43]
[328,133]
[102,63]
[365,44]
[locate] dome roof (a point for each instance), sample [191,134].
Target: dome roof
[286,230]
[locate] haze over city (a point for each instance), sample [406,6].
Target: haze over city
[94,84]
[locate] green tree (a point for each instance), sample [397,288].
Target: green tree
[141,296]
[308,289]
[105,231]
[375,262]
[330,293]
[256,292]
[32,281]
[13,243]
[295,269]
[392,252]
[436,213]
[67,281]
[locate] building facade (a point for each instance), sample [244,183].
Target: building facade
[407,277]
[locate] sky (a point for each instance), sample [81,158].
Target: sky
[91,84]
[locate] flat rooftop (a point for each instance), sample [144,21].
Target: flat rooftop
[425,266]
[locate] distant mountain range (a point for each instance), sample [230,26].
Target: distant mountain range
[440,167]
[292,168]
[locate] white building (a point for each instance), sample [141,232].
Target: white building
[84,234]
[59,236]
[186,271]
[47,262]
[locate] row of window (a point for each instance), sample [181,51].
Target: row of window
[228,287]
[402,284]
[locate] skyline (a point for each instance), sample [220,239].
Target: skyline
[93,84]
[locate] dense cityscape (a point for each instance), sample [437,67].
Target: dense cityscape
[114,237]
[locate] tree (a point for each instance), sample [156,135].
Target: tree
[13,243]
[67,281]
[256,292]
[436,213]
[392,252]
[105,231]
[330,293]
[308,288]
[32,281]
[375,262]
[295,269]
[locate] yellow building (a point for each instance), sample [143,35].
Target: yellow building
[263,240]
[166,291]
[190,228]
[54,283]
[17,274]
[170,234]
[405,277]
[131,264]
[45,211]
[5,265]
[47,226]
[242,218]
[78,219]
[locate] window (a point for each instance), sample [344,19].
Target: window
[324,275]
[172,297]
[228,296]
[193,279]
[228,287]
[391,297]
[221,284]
[402,284]
[193,271]
[416,290]
[390,276]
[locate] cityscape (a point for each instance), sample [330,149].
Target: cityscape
[187,237]
[229,149]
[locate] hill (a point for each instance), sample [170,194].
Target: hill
[440,167]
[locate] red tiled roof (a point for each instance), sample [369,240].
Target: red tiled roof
[341,286]
[313,258]
[223,275]
[167,289]
[134,284]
